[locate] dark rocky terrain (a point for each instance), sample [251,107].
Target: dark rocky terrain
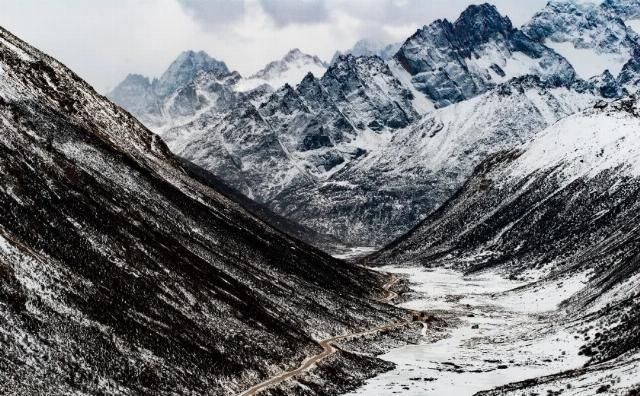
[123,272]
[135,263]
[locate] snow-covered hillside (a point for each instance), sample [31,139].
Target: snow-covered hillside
[407,174]
[560,212]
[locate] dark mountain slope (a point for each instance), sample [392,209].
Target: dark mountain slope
[265,214]
[120,273]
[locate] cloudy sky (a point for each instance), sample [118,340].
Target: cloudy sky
[103,41]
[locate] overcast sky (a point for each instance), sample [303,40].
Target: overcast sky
[103,41]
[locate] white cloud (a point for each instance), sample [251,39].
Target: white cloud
[213,13]
[285,12]
[103,41]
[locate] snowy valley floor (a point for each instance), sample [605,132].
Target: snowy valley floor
[507,331]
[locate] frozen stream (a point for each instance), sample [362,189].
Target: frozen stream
[499,335]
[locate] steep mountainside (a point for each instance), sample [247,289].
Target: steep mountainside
[571,181]
[120,273]
[451,62]
[261,211]
[562,208]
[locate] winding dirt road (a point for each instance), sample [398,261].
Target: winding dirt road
[328,347]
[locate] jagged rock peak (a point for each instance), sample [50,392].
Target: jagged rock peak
[200,60]
[290,69]
[136,79]
[294,59]
[451,62]
[309,82]
[478,23]
[295,54]
[185,68]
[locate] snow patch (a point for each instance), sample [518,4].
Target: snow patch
[634,24]
[589,63]
[420,102]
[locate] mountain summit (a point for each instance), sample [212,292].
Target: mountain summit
[185,68]
[291,69]
[451,62]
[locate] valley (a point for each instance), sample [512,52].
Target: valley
[501,331]
[456,213]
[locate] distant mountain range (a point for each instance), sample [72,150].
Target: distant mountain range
[327,152]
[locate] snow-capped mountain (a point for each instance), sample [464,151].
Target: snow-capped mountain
[122,272]
[291,69]
[509,193]
[298,135]
[364,136]
[193,82]
[185,68]
[451,62]
[370,47]
[561,212]
[593,37]
[401,177]
[626,9]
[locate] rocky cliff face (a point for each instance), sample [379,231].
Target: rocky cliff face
[122,273]
[594,38]
[451,62]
